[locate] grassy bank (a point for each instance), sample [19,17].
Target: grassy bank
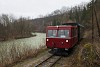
[87,56]
[17,50]
[10,54]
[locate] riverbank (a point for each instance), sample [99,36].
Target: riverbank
[20,49]
[6,38]
[33,60]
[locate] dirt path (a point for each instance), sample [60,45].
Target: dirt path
[32,61]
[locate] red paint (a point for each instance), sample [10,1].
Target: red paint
[58,42]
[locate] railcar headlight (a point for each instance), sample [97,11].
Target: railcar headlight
[66,40]
[47,39]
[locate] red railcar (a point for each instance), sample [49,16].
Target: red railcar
[63,36]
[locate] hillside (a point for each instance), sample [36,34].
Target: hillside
[81,14]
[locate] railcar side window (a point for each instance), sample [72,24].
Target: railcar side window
[63,33]
[52,33]
[67,33]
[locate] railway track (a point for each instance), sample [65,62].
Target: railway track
[49,62]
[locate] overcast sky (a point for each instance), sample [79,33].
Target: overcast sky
[34,8]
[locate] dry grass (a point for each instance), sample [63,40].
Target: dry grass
[10,54]
[86,57]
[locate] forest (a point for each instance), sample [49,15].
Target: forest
[12,28]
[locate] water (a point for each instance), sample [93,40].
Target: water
[20,48]
[32,41]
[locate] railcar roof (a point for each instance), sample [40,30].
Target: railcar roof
[61,26]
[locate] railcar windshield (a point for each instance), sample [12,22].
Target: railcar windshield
[58,33]
[52,33]
[63,33]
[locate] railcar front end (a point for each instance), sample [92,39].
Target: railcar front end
[60,37]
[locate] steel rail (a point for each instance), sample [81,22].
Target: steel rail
[47,61]
[55,62]
[44,61]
